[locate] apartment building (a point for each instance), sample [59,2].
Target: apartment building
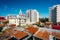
[54,13]
[32,16]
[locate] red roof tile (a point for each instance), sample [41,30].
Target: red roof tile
[2,18]
[56,27]
[17,34]
[43,34]
[13,25]
[55,34]
[32,29]
[9,30]
[20,34]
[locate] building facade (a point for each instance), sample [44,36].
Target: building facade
[13,19]
[17,19]
[54,13]
[22,18]
[32,16]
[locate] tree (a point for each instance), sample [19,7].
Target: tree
[46,19]
[43,20]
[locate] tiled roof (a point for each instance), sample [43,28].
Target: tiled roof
[20,34]
[43,34]
[2,25]
[8,31]
[6,20]
[56,27]
[55,34]
[31,29]
[2,18]
[15,33]
[13,25]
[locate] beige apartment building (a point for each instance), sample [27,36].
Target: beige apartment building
[32,16]
[54,13]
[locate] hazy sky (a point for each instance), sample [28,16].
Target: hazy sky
[13,6]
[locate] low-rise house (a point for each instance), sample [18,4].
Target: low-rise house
[30,33]
[47,24]
[57,27]
[19,35]
[1,21]
[32,30]
[42,24]
[56,35]
[41,35]
[12,25]
[47,34]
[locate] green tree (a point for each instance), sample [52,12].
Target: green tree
[44,19]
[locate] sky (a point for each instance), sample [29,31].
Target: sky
[14,6]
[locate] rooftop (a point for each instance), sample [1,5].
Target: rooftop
[43,34]
[31,29]
[15,33]
[2,18]
[56,35]
[19,34]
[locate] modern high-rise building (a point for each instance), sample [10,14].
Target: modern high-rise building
[54,13]
[32,16]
